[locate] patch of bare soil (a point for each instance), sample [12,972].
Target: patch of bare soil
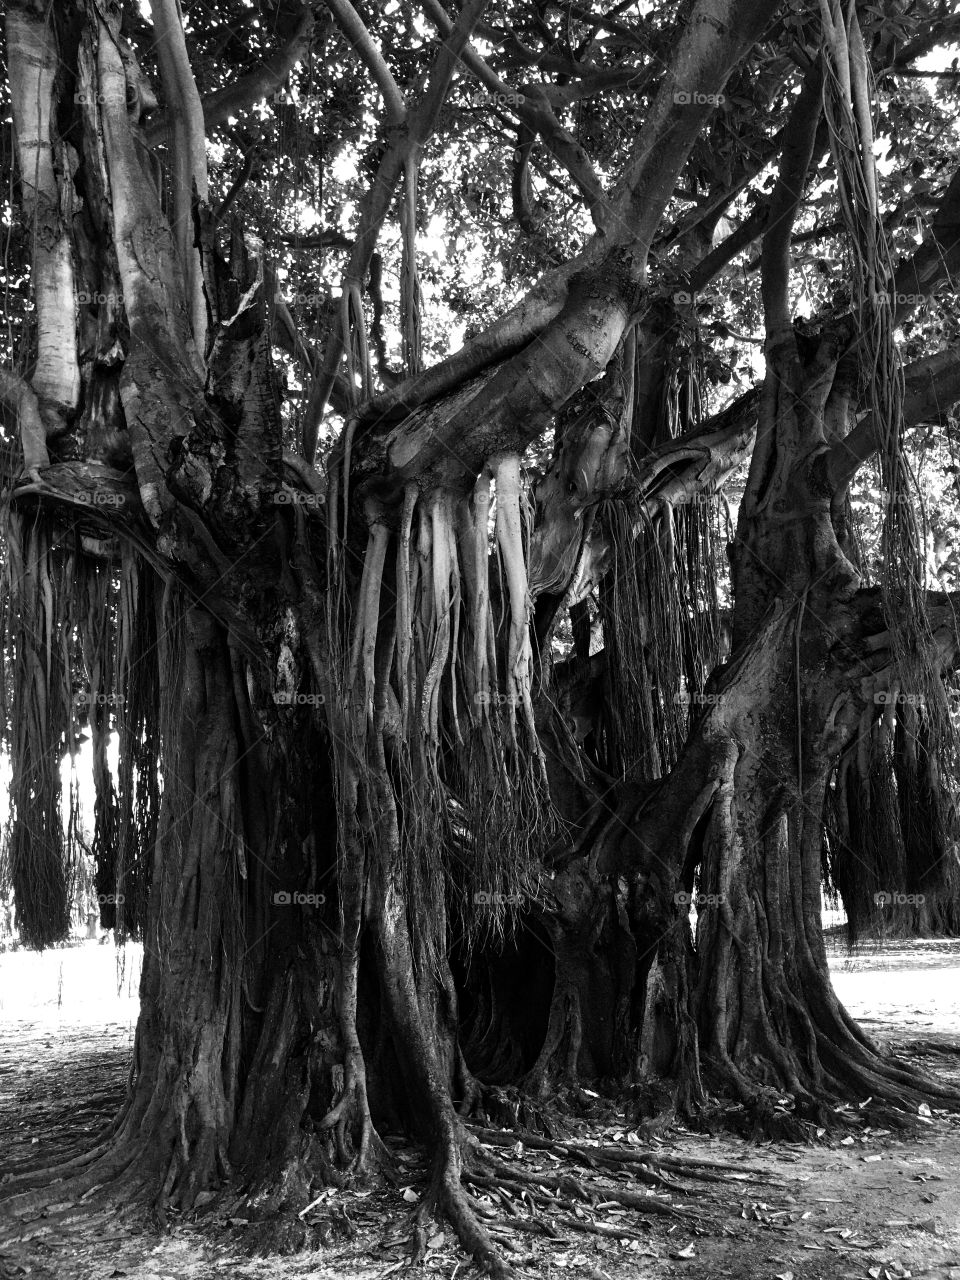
[609,1202]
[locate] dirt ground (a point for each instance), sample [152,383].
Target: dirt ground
[868,1205]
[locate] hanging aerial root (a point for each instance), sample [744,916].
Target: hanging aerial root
[405,586]
[441,538]
[39,586]
[411,299]
[510,541]
[849,116]
[476,555]
[367,623]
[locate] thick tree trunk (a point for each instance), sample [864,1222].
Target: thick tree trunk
[296,992]
[238,1041]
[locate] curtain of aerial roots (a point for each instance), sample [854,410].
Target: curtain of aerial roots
[659,610]
[117,629]
[849,115]
[36,642]
[439,675]
[888,836]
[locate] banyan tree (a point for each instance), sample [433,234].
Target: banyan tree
[446,684]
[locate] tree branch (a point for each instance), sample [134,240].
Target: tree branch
[942,31]
[716,37]
[932,391]
[533,106]
[239,182]
[796,158]
[421,123]
[319,240]
[33,62]
[912,73]
[188,154]
[350,23]
[703,61]
[19,397]
[251,88]
[936,260]
[750,229]
[520,188]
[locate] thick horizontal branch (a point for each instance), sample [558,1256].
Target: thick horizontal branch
[601,80]
[913,74]
[936,260]
[870,664]
[696,465]
[404,148]
[944,30]
[90,487]
[318,240]
[932,391]
[577,335]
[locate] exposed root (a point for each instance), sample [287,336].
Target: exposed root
[448,1199]
[56,1188]
[535,1192]
[24,1174]
[360,1149]
[649,1163]
[570,1188]
[922,1047]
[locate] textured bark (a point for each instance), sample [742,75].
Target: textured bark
[277,1037]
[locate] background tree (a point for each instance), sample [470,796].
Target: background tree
[444,681]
